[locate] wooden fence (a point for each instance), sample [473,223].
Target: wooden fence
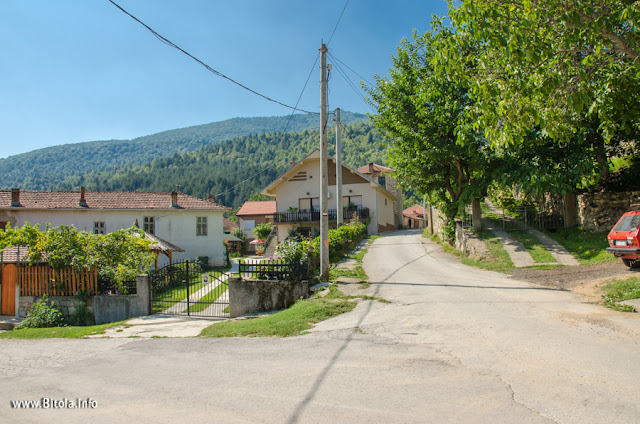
[37,280]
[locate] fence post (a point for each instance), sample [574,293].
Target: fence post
[187,281]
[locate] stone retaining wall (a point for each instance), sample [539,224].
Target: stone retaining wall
[601,211]
[252,296]
[469,243]
[65,304]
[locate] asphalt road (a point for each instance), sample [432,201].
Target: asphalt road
[455,344]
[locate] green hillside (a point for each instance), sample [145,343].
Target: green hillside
[217,168]
[48,168]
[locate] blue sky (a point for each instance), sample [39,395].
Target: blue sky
[74,71]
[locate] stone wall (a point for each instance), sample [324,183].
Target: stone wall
[601,211]
[103,308]
[65,304]
[469,243]
[252,296]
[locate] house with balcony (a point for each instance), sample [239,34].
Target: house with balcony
[297,194]
[384,176]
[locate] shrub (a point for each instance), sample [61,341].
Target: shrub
[43,314]
[81,315]
[262,231]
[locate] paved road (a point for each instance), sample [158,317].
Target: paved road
[454,345]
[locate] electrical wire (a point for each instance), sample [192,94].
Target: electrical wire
[207,67]
[283,131]
[337,23]
[362,153]
[347,66]
[352,85]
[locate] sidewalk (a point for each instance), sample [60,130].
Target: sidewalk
[519,255]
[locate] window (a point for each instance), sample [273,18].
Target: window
[351,200]
[382,181]
[201,226]
[3,224]
[149,224]
[98,227]
[309,204]
[249,224]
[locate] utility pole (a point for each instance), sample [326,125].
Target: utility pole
[324,181]
[339,211]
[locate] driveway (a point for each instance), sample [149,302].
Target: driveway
[456,344]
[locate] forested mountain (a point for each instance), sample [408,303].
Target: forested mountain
[47,168]
[218,168]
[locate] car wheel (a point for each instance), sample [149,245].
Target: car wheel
[628,262]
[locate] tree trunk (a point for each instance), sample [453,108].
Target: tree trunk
[476,214]
[570,210]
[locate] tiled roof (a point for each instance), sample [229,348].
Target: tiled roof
[414,211]
[376,168]
[10,254]
[104,200]
[257,208]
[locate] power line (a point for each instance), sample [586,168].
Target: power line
[209,68]
[337,23]
[362,153]
[352,85]
[283,132]
[347,66]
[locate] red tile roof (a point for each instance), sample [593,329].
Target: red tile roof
[257,208]
[414,211]
[376,168]
[104,200]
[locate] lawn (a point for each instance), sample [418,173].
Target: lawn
[287,323]
[58,332]
[206,301]
[588,247]
[537,251]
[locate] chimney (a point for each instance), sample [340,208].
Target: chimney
[15,197]
[83,201]
[174,199]
[371,167]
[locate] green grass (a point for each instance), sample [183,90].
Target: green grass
[537,251]
[621,289]
[290,322]
[588,247]
[358,272]
[59,332]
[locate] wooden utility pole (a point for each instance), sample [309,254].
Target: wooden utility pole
[339,211]
[324,181]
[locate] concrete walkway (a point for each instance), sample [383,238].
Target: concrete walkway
[519,255]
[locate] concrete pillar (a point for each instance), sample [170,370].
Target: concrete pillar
[143,287]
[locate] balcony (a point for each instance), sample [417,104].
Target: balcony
[314,216]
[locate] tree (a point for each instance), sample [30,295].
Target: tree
[433,149]
[551,66]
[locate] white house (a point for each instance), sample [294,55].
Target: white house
[193,224]
[297,194]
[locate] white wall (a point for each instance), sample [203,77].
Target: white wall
[289,192]
[175,225]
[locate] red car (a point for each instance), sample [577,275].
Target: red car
[624,239]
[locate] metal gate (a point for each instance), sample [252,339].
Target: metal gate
[190,288]
[521,218]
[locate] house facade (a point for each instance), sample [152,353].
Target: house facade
[413,217]
[297,194]
[255,213]
[383,176]
[193,224]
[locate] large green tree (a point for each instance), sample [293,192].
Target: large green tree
[423,107]
[551,65]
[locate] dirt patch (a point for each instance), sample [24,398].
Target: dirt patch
[582,279]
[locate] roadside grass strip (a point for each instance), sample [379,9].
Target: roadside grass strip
[588,247]
[619,290]
[59,332]
[287,323]
[538,252]
[358,272]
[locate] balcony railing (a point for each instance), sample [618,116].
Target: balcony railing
[311,216]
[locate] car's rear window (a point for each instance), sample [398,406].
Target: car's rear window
[627,223]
